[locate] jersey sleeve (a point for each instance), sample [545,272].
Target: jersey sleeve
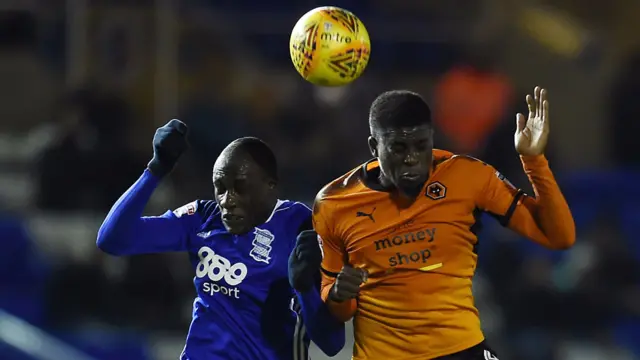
[333,253]
[326,331]
[545,219]
[333,258]
[302,221]
[299,221]
[497,196]
[126,232]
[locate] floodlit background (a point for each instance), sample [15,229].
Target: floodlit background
[84,84]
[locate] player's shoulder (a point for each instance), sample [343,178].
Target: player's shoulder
[290,216]
[346,184]
[440,156]
[287,208]
[204,209]
[448,160]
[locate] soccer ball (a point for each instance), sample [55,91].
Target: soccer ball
[329,46]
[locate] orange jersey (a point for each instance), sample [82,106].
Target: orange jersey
[421,257]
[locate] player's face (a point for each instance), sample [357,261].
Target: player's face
[246,196]
[405,156]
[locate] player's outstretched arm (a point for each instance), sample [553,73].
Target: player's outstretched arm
[549,211]
[125,231]
[304,269]
[545,219]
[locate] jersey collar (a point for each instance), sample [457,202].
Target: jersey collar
[275,209]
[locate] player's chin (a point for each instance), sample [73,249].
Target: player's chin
[410,187]
[236,226]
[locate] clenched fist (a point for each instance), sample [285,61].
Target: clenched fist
[169,142]
[304,261]
[347,285]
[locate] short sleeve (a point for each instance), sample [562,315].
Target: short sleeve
[332,250]
[497,195]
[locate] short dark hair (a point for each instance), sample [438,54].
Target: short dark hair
[260,152]
[398,108]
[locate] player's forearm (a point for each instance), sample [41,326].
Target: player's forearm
[549,209]
[323,328]
[344,310]
[121,232]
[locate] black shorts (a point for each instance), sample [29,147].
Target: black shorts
[478,352]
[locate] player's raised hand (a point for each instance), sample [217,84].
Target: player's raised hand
[347,285]
[169,142]
[532,133]
[304,261]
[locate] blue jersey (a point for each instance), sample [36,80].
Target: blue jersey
[244,299]
[245,307]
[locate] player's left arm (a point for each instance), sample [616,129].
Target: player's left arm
[323,328]
[546,218]
[334,260]
[304,275]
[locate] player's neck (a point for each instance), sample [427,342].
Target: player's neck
[385,182]
[263,215]
[405,197]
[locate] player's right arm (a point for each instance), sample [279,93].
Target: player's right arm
[125,231]
[333,264]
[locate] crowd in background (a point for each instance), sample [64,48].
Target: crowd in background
[93,140]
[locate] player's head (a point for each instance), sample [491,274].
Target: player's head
[402,139]
[244,184]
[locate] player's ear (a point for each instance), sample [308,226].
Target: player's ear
[373,146]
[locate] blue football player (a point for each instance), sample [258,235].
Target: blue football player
[243,249]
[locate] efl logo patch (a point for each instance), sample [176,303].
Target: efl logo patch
[262,245]
[188,209]
[504,179]
[321,244]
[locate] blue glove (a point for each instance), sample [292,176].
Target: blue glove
[169,142]
[304,261]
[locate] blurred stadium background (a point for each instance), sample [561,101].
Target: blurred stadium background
[83,85]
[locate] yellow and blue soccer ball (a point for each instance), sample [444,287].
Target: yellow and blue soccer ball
[329,46]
